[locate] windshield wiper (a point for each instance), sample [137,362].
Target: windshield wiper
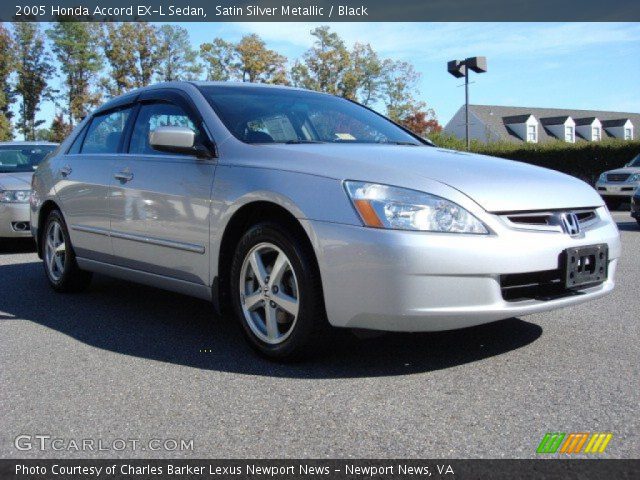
[403,143]
[294,142]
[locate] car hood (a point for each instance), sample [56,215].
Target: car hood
[16,181]
[628,170]
[496,184]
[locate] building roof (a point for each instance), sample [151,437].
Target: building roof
[618,122]
[560,120]
[497,118]
[516,119]
[584,121]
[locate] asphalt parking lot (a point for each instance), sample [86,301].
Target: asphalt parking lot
[123,361]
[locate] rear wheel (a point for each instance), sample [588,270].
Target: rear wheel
[60,264]
[277,293]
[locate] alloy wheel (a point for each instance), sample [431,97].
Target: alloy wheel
[55,251]
[269,293]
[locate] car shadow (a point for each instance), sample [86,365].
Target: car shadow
[149,323]
[11,247]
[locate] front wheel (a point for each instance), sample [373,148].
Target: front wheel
[277,293]
[60,264]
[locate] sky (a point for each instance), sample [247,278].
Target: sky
[594,66]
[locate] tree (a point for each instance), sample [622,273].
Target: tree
[399,85]
[34,68]
[366,74]
[76,45]
[132,52]
[422,122]
[7,63]
[219,57]
[59,129]
[256,63]
[147,52]
[177,60]
[324,65]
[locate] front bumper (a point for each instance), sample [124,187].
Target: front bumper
[418,281]
[616,189]
[14,220]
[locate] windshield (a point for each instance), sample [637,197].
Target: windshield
[635,162]
[22,158]
[278,115]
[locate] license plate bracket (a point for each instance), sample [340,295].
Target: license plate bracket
[586,265]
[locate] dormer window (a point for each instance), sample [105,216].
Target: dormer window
[562,127]
[569,135]
[596,134]
[525,127]
[588,128]
[619,128]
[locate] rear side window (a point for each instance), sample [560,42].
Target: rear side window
[105,132]
[77,142]
[152,116]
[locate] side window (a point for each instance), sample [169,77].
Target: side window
[152,116]
[77,143]
[105,131]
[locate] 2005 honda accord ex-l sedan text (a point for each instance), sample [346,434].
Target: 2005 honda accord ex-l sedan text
[302,211]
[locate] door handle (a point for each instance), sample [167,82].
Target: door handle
[65,171]
[124,176]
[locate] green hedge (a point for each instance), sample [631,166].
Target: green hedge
[585,160]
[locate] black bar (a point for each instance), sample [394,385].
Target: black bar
[584,469]
[322,10]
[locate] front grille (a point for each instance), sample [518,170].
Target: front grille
[547,220]
[617,177]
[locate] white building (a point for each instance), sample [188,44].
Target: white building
[523,124]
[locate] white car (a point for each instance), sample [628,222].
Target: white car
[617,186]
[18,161]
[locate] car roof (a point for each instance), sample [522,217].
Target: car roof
[27,143]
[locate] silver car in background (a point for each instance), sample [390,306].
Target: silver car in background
[617,186]
[299,211]
[18,161]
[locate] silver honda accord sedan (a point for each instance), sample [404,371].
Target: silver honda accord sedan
[300,211]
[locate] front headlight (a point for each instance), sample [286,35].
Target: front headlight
[634,178]
[383,206]
[603,177]
[14,196]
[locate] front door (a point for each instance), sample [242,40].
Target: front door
[159,203]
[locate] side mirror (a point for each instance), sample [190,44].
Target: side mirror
[177,140]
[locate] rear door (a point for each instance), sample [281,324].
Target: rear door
[159,203]
[83,177]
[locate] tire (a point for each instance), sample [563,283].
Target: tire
[59,259]
[271,328]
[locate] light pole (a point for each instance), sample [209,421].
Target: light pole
[459,69]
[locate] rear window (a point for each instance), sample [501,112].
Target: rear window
[105,132]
